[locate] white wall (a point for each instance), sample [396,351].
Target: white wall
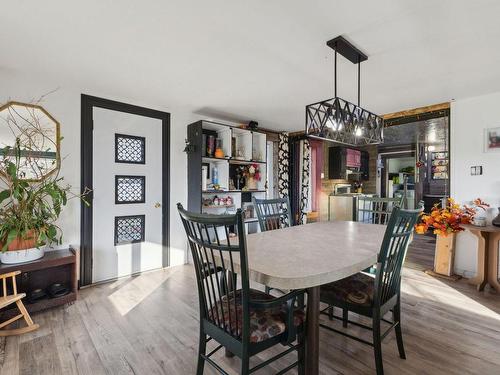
[469,118]
[64,105]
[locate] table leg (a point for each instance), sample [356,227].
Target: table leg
[312,332]
[493,260]
[482,260]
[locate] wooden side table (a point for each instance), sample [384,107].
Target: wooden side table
[57,266]
[487,256]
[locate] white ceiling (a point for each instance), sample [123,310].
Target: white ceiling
[259,59]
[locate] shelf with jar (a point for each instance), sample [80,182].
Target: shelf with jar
[226,161]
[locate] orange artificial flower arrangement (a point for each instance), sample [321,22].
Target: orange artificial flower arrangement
[446,220]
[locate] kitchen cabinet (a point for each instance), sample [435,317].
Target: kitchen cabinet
[343,159]
[365,166]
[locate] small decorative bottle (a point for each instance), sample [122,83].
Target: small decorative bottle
[215,176]
[218,149]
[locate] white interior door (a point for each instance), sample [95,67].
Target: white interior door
[127,183]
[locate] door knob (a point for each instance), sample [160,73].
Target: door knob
[157,205]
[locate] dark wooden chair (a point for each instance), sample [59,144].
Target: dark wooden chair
[375,295]
[243,320]
[273,213]
[375,210]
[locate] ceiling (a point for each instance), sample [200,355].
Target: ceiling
[262,60]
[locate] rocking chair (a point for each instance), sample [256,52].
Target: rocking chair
[15,297]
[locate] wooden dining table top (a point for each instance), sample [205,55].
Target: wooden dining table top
[310,255]
[486,228]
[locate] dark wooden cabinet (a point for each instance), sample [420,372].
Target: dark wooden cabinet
[365,165]
[337,163]
[57,266]
[341,159]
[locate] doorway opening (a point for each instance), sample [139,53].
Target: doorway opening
[415,158]
[125,162]
[414,162]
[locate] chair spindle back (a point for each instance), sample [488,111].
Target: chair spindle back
[398,236]
[214,249]
[273,213]
[374,210]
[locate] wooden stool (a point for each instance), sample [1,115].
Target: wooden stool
[8,299]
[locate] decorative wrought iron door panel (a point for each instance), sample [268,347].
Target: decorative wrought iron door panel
[130,189]
[130,149]
[129,229]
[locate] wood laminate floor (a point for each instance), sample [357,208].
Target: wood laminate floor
[148,325]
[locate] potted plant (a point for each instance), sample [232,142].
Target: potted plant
[446,222]
[28,210]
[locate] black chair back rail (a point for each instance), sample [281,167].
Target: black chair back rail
[212,246]
[393,251]
[273,213]
[375,210]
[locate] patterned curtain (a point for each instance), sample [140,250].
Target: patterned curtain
[283,166]
[299,178]
[305,150]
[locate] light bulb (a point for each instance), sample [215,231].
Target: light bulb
[332,123]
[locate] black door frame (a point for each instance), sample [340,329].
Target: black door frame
[87,104]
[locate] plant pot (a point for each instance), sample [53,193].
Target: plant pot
[251,183]
[23,244]
[22,250]
[22,256]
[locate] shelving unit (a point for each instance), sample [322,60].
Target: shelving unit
[439,167]
[241,147]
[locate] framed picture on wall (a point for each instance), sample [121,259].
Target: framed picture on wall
[492,140]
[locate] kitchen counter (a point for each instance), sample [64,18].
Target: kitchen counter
[343,206]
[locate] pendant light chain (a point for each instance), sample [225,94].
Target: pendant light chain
[359,82]
[335,74]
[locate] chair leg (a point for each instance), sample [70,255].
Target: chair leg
[377,346]
[245,363]
[345,317]
[268,290]
[301,353]
[396,314]
[331,312]
[202,347]
[223,282]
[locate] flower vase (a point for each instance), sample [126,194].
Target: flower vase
[251,183]
[444,255]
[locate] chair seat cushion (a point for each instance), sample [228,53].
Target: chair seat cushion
[357,289]
[264,323]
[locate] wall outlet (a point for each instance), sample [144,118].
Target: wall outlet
[476,170]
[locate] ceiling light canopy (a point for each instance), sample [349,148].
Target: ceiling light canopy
[337,120]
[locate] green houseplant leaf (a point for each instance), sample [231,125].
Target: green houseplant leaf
[30,208]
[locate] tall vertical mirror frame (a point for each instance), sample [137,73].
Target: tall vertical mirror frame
[29,137]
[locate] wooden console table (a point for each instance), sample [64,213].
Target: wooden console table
[487,256]
[57,266]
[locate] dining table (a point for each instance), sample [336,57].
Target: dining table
[308,256]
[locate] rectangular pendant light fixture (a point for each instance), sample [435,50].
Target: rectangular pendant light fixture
[337,120]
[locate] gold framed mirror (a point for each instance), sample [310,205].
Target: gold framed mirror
[29,132]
